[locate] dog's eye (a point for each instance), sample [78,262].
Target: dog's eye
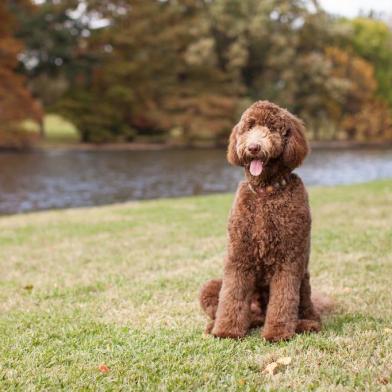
[251,123]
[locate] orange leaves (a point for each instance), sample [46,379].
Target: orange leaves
[103,368]
[16,102]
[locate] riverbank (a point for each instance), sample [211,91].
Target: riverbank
[316,145]
[61,135]
[63,179]
[117,286]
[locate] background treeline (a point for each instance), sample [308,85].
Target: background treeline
[181,71]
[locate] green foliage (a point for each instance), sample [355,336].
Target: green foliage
[372,40]
[183,70]
[54,34]
[154,77]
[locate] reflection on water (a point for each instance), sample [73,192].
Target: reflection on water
[59,179]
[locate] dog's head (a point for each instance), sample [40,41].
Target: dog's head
[267,139]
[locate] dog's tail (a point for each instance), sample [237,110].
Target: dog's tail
[322,303]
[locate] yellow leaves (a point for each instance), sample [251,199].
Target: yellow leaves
[271,368]
[361,72]
[276,366]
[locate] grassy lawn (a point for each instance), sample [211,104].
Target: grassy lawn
[118,286]
[58,130]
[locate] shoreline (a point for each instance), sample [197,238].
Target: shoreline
[5,214]
[316,145]
[91,147]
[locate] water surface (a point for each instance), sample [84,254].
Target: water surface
[61,179]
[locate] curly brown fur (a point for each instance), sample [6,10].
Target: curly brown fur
[266,278]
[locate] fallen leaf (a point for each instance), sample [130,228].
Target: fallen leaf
[241,381]
[103,368]
[28,287]
[274,367]
[383,380]
[284,361]
[271,368]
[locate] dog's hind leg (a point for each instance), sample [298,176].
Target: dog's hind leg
[233,316]
[209,299]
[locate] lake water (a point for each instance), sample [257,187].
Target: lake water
[61,179]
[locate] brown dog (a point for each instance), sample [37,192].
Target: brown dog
[266,278]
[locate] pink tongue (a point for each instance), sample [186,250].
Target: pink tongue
[256,167]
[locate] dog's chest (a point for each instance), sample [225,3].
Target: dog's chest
[271,227]
[267,231]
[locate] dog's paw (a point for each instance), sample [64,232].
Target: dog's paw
[309,314]
[308,326]
[276,333]
[225,333]
[209,327]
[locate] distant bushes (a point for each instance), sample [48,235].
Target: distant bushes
[182,71]
[16,140]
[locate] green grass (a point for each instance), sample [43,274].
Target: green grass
[118,285]
[58,130]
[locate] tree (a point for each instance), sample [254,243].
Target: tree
[16,102]
[183,70]
[361,114]
[278,50]
[371,39]
[160,77]
[54,33]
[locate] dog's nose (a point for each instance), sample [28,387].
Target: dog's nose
[254,148]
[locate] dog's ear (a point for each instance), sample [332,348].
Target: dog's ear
[232,155]
[297,146]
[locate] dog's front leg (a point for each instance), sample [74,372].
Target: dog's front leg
[233,316]
[282,311]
